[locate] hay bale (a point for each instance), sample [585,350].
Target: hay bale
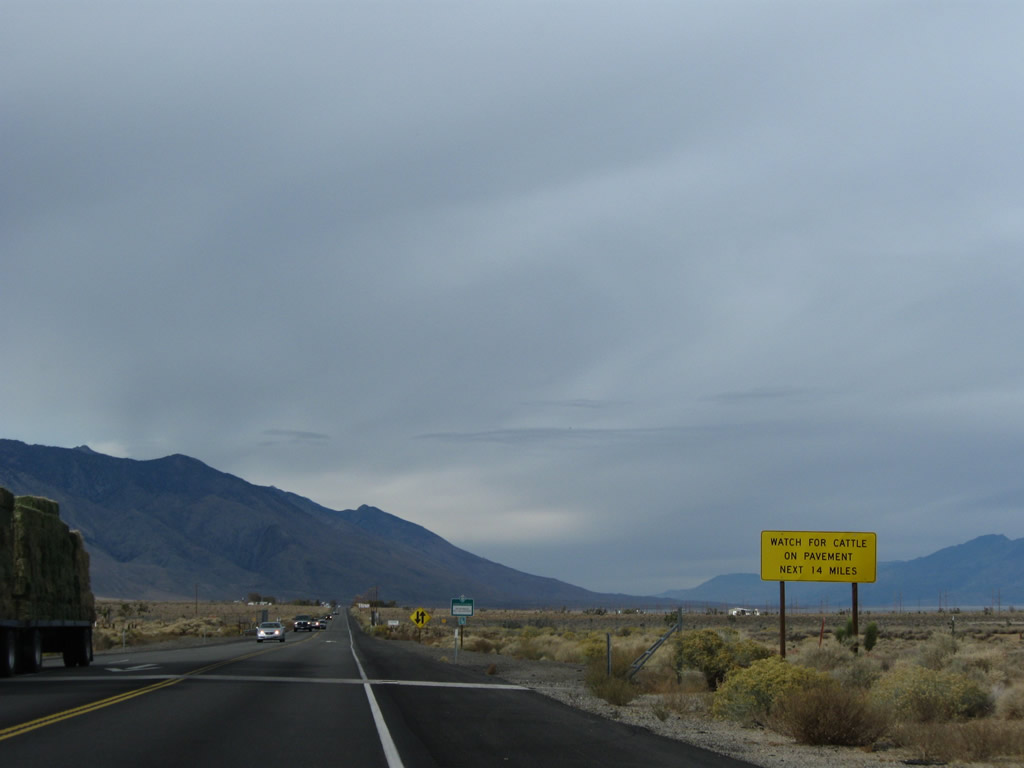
[84,605]
[6,554]
[45,584]
[44,567]
[38,503]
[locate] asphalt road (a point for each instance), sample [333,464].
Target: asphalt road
[325,698]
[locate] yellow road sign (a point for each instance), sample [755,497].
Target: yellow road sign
[818,556]
[420,617]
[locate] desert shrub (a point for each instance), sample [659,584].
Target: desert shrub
[526,648]
[845,634]
[746,652]
[567,651]
[615,688]
[686,704]
[979,663]
[747,695]
[825,658]
[936,652]
[870,636]
[479,644]
[707,651]
[692,681]
[920,694]
[102,642]
[594,648]
[971,741]
[859,673]
[828,712]
[1010,704]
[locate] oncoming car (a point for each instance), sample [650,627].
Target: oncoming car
[270,630]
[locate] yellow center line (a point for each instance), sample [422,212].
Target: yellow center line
[31,725]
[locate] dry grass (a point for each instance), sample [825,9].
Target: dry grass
[974,740]
[138,623]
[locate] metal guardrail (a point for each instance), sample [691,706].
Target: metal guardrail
[638,664]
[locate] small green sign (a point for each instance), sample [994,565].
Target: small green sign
[462,606]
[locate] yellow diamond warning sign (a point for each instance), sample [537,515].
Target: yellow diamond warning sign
[818,556]
[420,618]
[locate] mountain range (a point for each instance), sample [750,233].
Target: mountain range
[173,527]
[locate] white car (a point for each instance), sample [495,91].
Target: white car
[270,630]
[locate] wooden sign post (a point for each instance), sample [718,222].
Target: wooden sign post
[817,556]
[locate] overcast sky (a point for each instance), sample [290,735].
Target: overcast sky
[597,290]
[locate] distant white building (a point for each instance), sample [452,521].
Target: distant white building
[744,612]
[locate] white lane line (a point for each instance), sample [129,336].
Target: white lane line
[386,742]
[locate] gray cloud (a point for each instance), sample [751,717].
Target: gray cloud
[598,293]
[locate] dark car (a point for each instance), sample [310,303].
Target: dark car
[303,623]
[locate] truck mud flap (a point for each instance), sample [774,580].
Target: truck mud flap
[8,652]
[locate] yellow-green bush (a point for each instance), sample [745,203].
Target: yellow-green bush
[922,695]
[747,695]
[594,648]
[707,651]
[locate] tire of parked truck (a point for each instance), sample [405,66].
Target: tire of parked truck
[87,658]
[31,657]
[78,647]
[8,652]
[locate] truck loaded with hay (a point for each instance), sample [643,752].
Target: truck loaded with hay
[45,600]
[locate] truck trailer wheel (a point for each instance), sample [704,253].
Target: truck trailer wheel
[86,660]
[8,652]
[31,657]
[78,648]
